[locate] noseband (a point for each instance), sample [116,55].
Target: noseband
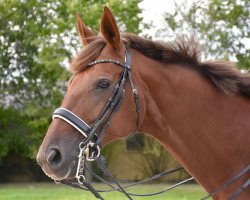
[90,147]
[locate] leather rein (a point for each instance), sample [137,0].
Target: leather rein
[90,147]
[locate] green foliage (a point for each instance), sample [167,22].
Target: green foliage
[13,133]
[126,13]
[20,133]
[37,39]
[25,34]
[222,25]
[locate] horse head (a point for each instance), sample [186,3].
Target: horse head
[90,92]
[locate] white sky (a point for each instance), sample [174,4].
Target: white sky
[153,9]
[152,12]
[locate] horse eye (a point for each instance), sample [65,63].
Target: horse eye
[103,84]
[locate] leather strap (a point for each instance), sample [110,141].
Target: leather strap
[228,183]
[73,120]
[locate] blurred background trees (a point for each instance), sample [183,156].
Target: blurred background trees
[38,39]
[223,27]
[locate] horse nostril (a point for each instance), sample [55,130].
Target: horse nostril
[54,157]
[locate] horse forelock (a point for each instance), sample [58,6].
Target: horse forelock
[87,55]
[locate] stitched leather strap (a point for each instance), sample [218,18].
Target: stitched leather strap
[73,120]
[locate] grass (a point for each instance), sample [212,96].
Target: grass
[50,191]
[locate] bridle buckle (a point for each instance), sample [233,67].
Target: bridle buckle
[80,167]
[91,151]
[87,152]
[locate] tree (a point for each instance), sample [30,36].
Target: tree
[37,39]
[155,159]
[222,25]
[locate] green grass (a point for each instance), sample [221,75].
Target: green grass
[45,191]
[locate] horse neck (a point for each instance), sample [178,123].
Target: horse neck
[204,129]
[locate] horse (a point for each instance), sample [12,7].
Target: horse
[198,110]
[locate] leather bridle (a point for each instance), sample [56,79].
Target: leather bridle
[90,147]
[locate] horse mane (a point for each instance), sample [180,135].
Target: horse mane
[87,54]
[184,51]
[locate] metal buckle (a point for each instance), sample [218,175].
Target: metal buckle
[80,167]
[91,152]
[88,152]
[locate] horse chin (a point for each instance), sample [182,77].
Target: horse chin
[65,175]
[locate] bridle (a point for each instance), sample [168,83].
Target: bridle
[90,147]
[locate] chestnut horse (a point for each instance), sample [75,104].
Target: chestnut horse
[199,111]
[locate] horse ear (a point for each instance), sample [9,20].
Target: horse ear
[109,29]
[86,35]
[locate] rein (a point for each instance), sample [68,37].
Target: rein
[90,147]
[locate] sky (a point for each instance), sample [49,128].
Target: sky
[153,12]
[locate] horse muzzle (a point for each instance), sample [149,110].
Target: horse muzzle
[56,163]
